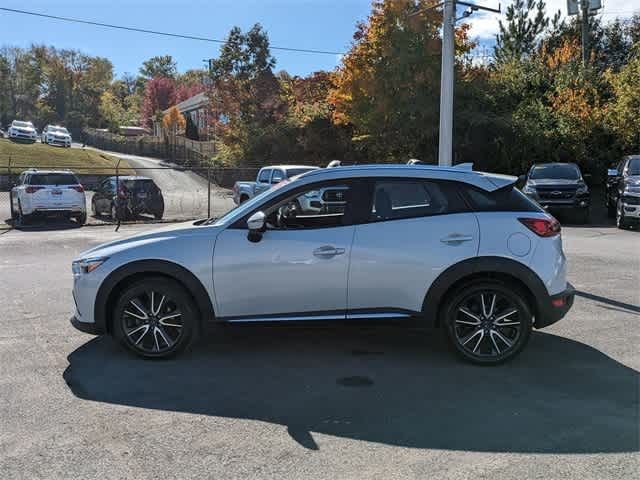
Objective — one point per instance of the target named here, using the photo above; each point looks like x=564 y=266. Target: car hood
x=543 y=182
x=168 y=233
x=25 y=129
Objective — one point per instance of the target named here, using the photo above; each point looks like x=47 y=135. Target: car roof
x=286 y=167
x=130 y=177
x=483 y=180
x=554 y=163
x=34 y=170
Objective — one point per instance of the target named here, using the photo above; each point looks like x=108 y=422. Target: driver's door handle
x=328 y=251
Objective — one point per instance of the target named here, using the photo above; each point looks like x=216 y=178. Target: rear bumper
x=86 y=327
x=554 y=307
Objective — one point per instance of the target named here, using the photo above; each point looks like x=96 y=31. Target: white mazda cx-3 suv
x=451 y=248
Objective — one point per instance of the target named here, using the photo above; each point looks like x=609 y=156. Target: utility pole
x=445 y=144
x=584 y=6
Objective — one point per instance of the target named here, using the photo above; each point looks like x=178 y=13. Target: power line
x=156 y=32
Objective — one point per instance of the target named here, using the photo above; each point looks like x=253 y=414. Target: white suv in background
x=48 y=192
x=444 y=247
x=55 y=135
x=22 y=131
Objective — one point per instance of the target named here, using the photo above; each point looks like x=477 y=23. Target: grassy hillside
x=37 y=155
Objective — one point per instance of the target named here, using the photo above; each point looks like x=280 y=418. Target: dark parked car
x=623 y=191
x=559 y=187
x=132 y=196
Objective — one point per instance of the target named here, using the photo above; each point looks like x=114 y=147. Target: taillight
x=78 y=188
x=543 y=227
x=32 y=189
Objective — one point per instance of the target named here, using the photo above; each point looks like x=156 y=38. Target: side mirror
x=612 y=172
x=256 y=224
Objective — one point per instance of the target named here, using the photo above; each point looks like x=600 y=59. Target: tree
x=159 y=66
x=173 y=121
x=159 y=95
x=525 y=22
x=624 y=111
x=388 y=86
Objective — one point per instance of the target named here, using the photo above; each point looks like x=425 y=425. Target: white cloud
x=484 y=25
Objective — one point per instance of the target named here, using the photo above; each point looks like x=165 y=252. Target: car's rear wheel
x=243 y=198
x=487 y=322
x=155 y=318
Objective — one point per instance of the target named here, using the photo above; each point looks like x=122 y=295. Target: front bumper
x=85 y=327
x=554 y=307
x=631 y=207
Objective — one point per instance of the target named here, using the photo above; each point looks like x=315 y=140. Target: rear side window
x=396 y=199
x=53 y=179
x=140 y=186
x=506 y=199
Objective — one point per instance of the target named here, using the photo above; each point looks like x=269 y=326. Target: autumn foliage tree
x=388 y=86
x=159 y=94
x=173 y=121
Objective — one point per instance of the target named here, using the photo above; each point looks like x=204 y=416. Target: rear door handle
x=328 y=251
x=456 y=238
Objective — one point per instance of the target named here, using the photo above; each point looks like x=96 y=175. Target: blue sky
x=315 y=24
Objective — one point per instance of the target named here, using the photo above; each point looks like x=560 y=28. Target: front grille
x=556 y=193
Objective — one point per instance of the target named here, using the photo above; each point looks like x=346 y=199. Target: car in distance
x=460 y=250
x=559 y=187
x=20 y=131
x=56 y=135
x=267 y=177
x=127 y=196
x=622 y=195
x=47 y=192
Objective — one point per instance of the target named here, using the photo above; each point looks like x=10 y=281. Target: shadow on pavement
x=386 y=385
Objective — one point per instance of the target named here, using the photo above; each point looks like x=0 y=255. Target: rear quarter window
x=507 y=199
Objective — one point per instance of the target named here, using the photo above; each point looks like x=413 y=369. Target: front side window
x=395 y=199
x=277 y=176
x=313 y=207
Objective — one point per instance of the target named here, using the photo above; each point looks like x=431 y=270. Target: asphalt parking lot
x=258 y=402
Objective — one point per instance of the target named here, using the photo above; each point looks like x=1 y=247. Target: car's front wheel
x=155 y=318
x=621 y=221
x=487 y=322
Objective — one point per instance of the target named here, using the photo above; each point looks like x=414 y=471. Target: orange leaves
x=568 y=52
x=173 y=121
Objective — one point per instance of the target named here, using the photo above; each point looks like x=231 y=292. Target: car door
x=415 y=230
x=263 y=181
x=296 y=271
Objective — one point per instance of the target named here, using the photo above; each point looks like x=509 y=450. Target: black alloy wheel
x=487 y=322
x=155 y=318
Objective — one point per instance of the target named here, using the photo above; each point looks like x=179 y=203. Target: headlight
x=86 y=265
x=312 y=194
x=528 y=190
x=582 y=189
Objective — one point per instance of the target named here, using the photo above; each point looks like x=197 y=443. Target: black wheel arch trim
x=151 y=267
x=538 y=298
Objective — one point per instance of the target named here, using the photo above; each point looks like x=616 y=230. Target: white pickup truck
x=267 y=178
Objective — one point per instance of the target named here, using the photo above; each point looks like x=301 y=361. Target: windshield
x=22 y=124
x=555 y=171
x=634 y=167
x=58 y=130
x=240 y=209
x=292 y=172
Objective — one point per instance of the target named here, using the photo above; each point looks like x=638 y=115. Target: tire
x=489 y=334
x=94 y=209
x=583 y=216
x=621 y=222
x=160 y=335
x=81 y=219
x=158 y=215
x=243 y=198
x=14 y=215
x=22 y=219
